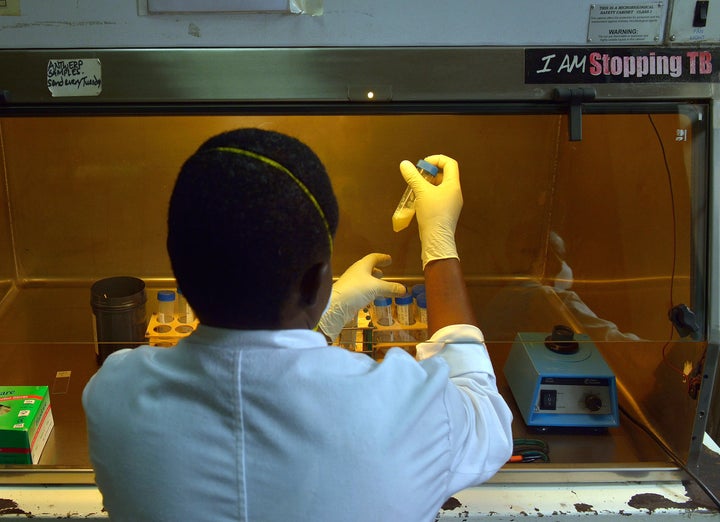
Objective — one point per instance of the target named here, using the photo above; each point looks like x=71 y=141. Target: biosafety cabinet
x=588 y=237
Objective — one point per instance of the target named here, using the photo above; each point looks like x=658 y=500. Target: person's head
x=251 y=222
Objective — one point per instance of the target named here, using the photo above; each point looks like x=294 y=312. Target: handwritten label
x=625 y=23
x=74 y=77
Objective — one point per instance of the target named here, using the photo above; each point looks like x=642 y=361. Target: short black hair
x=250 y=211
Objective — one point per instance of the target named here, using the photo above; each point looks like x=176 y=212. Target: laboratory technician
x=254 y=417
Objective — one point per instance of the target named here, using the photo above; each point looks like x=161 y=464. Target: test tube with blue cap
x=406 y=207
x=416 y=290
x=383 y=316
x=403 y=309
x=421 y=307
x=166 y=306
x=383 y=310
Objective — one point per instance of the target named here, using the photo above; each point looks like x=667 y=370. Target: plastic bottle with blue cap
x=404 y=310
x=166 y=306
x=421 y=335
x=406 y=207
x=383 y=310
x=416 y=290
x=382 y=316
x=421 y=307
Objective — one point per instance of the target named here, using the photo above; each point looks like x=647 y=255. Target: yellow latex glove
x=437 y=207
x=359 y=285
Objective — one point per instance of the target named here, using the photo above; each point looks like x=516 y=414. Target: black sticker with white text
x=620 y=65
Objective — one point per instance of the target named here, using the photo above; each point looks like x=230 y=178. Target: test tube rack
x=167 y=335
x=373 y=339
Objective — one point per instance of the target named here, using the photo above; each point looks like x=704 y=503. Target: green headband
x=281 y=168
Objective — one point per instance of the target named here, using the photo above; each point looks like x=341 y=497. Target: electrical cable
x=691 y=382
x=665 y=360
x=673 y=456
x=529 y=450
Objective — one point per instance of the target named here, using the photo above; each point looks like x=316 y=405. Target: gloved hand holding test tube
x=406 y=207
x=437 y=206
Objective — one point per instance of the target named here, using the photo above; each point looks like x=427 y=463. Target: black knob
x=593 y=402
x=562 y=340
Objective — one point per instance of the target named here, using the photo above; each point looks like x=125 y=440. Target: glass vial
x=403 y=309
x=406 y=207
x=166 y=306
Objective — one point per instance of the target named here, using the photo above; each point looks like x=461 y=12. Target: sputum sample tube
x=421 y=306
x=406 y=207
x=383 y=311
x=404 y=310
x=166 y=306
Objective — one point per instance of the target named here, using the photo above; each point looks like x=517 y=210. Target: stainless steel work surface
x=66 y=365
x=64 y=368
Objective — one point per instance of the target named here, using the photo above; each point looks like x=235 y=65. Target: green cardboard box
x=25 y=423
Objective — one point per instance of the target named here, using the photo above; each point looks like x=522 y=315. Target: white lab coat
x=278 y=426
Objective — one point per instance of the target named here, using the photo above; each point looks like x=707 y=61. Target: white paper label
x=74 y=77
x=625 y=23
